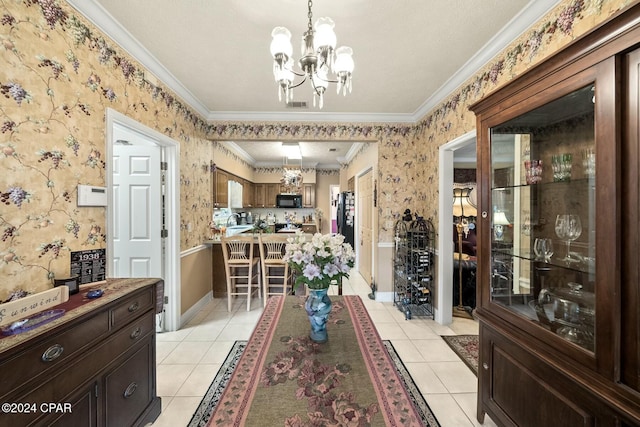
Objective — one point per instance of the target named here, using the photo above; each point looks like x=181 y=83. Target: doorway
x=365 y=209
x=334 y=195
x=447 y=161
x=153 y=256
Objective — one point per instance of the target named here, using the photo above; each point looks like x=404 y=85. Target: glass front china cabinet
x=558 y=249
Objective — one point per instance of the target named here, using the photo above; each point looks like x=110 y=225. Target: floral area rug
x=466 y=347
x=354 y=379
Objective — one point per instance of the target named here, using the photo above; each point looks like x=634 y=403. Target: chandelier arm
x=298 y=74
x=303 y=80
x=324 y=80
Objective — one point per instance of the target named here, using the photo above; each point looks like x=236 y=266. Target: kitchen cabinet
x=248 y=194
x=308 y=195
x=558 y=290
x=260 y=195
x=221 y=189
x=271 y=191
x=98 y=363
x=265 y=194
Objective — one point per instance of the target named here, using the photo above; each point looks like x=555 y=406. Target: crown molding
x=528 y=16
x=297 y=116
x=102 y=19
x=95 y=13
x=235 y=149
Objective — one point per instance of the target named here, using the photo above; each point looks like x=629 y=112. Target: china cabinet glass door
x=543 y=252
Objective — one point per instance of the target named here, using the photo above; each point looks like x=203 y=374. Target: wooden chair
x=241 y=268
x=275 y=272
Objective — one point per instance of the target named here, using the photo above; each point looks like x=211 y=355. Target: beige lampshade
x=461 y=204
x=499 y=218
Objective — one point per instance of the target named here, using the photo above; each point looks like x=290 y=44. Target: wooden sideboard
x=94 y=366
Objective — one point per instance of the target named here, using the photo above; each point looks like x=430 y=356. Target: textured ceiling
x=409 y=54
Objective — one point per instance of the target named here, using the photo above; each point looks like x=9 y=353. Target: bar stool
x=275 y=271
x=241 y=268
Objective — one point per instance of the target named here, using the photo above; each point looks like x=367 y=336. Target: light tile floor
x=189 y=359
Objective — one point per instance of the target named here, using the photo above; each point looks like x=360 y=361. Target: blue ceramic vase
x=318 y=307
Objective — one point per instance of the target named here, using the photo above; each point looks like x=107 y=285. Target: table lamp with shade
x=499 y=222
x=462 y=210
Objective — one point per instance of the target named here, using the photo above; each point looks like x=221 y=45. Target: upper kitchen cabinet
x=271 y=191
x=221 y=189
x=248 y=194
x=558 y=271
x=260 y=195
x=265 y=194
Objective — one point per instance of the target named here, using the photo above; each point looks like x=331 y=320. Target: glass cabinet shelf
x=543 y=224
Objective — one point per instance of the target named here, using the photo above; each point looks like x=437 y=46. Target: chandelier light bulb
x=281 y=43
x=324 y=40
x=343 y=67
x=318 y=56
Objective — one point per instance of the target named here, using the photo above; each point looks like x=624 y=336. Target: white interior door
x=365 y=214
x=137 y=219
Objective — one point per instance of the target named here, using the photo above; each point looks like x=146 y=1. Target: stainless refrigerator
x=346 y=215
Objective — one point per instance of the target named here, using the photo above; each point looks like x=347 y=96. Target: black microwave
x=288 y=201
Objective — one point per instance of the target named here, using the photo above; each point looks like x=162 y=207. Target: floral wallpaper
x=60 y=74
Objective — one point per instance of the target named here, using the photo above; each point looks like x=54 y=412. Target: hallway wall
x=61 y=73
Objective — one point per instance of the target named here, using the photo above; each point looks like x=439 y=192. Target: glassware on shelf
x=561 y=229
x=568 y=227
x=561 y=165
x=589 y=162
x=543 y=248
x=533 y=171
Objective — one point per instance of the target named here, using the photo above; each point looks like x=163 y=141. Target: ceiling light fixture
x=318 y=55
x=292 y=150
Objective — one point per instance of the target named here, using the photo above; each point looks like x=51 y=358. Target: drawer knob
x=133 y=307
x=136 y=333
x=485 y=366
x=52 y=353
x=130 y=390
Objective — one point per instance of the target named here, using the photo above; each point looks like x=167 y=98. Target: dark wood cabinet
x=99 y=366
x=558 y=296
x=83 y=411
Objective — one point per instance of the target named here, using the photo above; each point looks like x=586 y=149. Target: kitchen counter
x=246 y=229
x=218 y=277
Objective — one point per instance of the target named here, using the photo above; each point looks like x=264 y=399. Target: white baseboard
x=384 y=296
x=195 y=308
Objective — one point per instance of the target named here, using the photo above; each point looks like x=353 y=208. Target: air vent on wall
x=297 y=104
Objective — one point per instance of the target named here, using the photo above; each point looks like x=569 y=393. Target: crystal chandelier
x=318 y=56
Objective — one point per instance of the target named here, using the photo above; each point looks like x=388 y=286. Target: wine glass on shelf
x=548 y=250
x=543 y=248
x=574 y=230
x=561 y=230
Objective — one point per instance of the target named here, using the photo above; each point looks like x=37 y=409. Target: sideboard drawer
x=130 y=335
x=131 y=307
x=36 y=362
